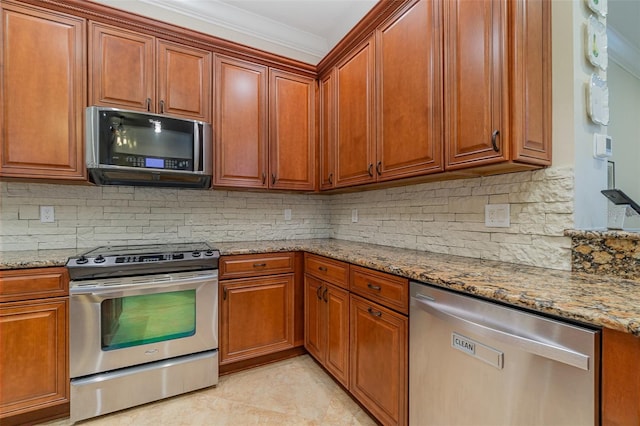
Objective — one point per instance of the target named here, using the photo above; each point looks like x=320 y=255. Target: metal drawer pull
x=330 y=178
x=322 y=268
x=374 y=313
x=370 y=170
x=148 y=101
x=324 y=294
x=259 y=265
x=318 y=293
x=379 y=168
x=273 y=178
x=224 y=293
x=494 y=144
x=264 y=177
x=373 y=287
x=161 y=107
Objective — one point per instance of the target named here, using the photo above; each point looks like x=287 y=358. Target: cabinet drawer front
x=22 y=284
x=329 y=270
x=252 y=265
x=386 y=289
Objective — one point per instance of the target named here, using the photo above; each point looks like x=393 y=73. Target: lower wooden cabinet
x=34 y=362
x=256 y=317
x=620 y=378
x=379 y=363
x=326 y=337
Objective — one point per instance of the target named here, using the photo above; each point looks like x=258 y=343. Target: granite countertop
x=599 y=300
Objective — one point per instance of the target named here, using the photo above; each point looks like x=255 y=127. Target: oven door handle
x=144 y=288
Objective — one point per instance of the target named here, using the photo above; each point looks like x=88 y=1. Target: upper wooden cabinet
x=387 y=103
x=136 y=71
x=264 y=127
x=409 y=93
x=475 y=81
x=354 y=102
x=292 y=131
x=327 y=134
x=240 y=124
x=497 y=82
x=43 y=93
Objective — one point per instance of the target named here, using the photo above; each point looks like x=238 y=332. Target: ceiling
x=305 y=30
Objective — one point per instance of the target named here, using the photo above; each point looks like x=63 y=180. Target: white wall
x=624 y=100
x=572 y=128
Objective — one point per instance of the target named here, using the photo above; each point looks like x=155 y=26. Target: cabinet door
x=356 y=145
x=33 y=356
x=620 y=378
x=292 y=141
x=409 y=93
x=327 y=130
x=240 y=145
x=475 y=83
x=256 y=317
x=531 y=91
x=43 y=86
x=184 y=81
x=121 y=68
x=314 y=318
x=337 y=330
x=379 y=360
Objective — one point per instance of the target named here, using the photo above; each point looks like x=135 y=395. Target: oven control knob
x=99 y=259
x=81 y=260
x=195 y=254
x=208 y=253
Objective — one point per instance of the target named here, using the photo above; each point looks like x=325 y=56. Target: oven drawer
x=253 y=265
x=329 y=270
x=385 y=289
x=24 y=284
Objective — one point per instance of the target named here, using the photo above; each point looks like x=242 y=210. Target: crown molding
x=623 y=52
x=223 y=15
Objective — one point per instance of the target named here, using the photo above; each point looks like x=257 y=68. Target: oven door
x=121 y=322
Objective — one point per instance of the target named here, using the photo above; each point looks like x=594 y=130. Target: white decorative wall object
x=598 y=100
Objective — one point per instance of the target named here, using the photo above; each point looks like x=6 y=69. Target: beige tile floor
x=290 y=392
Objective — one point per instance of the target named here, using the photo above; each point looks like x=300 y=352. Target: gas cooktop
x=115 y=261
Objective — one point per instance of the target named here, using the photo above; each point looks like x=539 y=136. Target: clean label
x=463 y=344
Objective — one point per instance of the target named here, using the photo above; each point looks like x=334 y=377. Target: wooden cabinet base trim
x=53 y=412
x=234 y=367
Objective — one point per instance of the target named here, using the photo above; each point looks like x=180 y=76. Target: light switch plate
x=497 y=215
x=47 y=214
x=287 y=214
x=354 y=215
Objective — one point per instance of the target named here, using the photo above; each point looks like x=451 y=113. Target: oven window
x=138 y=320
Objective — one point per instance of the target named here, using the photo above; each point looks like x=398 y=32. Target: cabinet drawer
x=252 y=265
x=23 y=284
x=329 y=270
x=385 y=289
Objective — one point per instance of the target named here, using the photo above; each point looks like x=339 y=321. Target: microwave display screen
x=157 y=163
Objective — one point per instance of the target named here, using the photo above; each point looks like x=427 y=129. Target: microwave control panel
x=151 y=162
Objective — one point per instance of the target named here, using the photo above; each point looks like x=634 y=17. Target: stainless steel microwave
x=144 y=149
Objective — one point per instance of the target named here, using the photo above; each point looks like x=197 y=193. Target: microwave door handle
x=196 y=148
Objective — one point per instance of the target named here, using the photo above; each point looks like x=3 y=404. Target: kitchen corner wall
x=448 y=217
x=443 y=217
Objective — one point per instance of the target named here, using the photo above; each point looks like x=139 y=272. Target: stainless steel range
x=143 y=325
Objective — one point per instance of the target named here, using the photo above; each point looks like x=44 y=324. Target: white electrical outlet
x=354 y=215
x=47 y=214
x=497 y=215
x=287 y=214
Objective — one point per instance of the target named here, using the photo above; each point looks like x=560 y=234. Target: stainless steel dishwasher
x=473 y=362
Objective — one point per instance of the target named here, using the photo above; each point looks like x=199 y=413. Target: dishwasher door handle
x=451 y=315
